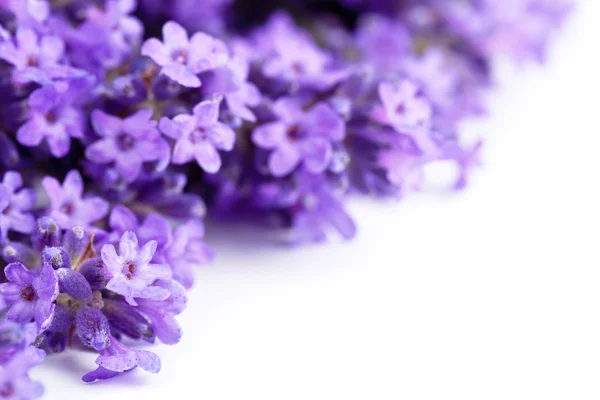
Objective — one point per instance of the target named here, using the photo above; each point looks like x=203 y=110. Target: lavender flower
x=182 y=58
x=52 y=119
x=199 y=136
x=300 y=137
x=14 y=379
x=30 y=297
x=117 y=358
x=16 y=204
x=127 y=143
x=34 y=59
x=130 y=271
x=68 y=207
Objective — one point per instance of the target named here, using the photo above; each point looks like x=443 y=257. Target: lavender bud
x=92 y=328
x=46 y=234
x=74 y=241
x=62 y=319
x=93 y=272
x=17 y=252
x=127 y=320
x=74 y=284
x=57 y=257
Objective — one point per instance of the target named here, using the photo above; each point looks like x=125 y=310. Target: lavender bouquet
x=123 y=124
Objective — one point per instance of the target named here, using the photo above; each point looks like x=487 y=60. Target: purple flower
x=16 y=205
x=199 y=136
x=127 y=143
x=383 y=42
x=35 y=59
x=247 y=94
x=130 y=272
x=15 y=383
x=68 y=207
x=290 y=53
x=185 y=250
x=299 y=137
x=182 y=248
x=51 y=118
x=469 y=159
x=28 y=12
x=404 y=105
x=121 y=30
x=182 y=58
x=30 y=297
x=118 y=358
x=161 y=313
x=232 y=83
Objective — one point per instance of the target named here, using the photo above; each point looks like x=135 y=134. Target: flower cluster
x=123 y=122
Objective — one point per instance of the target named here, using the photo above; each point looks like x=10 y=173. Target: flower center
x=401 y=108
x=32 y=61
x=180 y=56
x=51 y=117
x=128 y=270
x=27 y=293
x=125 y=142
x=68 y=208
x=295 y=133
x=198 y=135
x=7 y=390
x=298 y=68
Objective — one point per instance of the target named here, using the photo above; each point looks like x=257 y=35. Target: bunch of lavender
x=153 y=114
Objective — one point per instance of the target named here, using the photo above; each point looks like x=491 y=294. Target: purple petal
x=269 y=136
x=46 y=284
x=105 y=124
x=284 y=160
x=173 y=128
x=157 y=51
x=21 y=312
x=129 y=166
x=288 y=109
x=94 y=208
x=98 y=374
x=148 y=361
x=73 y=184
x=120 y=362
x=52 y=48
x=183 y=152
x=25 y=199
x=18 y=274
x=11 y=293
x=102 y=151
x=144 y=256
x=12 y=180
x=175 y=36
x=30 y=134
x=59 y=144
x=181 y=74
x=222 y=136
x=323 y=119
x=128 y=246
x=207 y=157
x=122 y=219
x=110 y=258
x=207 y=112
x=20 y=222
x=317 y=154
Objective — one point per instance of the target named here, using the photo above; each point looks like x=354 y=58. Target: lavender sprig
x=123 y=123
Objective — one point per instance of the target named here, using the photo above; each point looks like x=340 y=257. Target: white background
x=492 y=293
